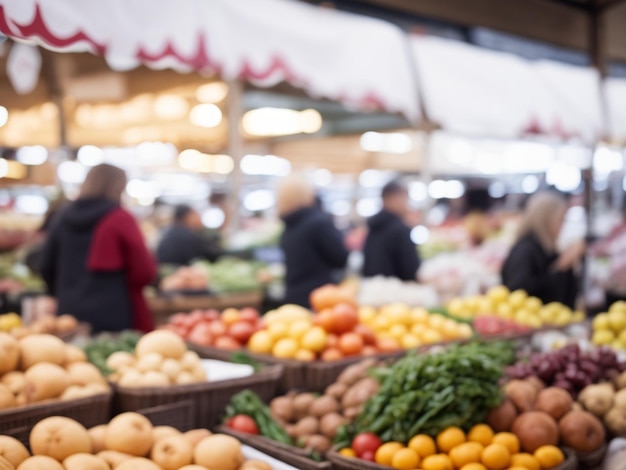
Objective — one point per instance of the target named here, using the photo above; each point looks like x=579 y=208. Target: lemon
x=285 y=348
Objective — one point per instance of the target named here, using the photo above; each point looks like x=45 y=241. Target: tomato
x=332 y=341
x=350 y=344
x=331 y=354
x=201 y=334
x=178 y=319
x=328 y=296
x=226 y=342
x=369 y=351
x=217 y=328
x=369 y=338
x=241 y=331
x=196 y=315
x=211 y=315
x=249 y=314
x=345 y=318
x=366 y=442
x=326 y=320
x=243 y=423
x=387 y=345
x=369 y=456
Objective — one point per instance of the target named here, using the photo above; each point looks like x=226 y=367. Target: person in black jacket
x=312 y=246
x=534 y=264
x=389 y=250
x=183 y=242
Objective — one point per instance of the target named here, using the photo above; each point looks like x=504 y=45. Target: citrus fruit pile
x=609 y=328
x=517 y=305
x=479 y=449
x=400 y=326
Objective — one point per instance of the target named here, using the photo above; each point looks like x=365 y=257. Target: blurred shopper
x=389 y=250
x=95 y=261
x=183 y=242
x=534 y=263
x=313 y=247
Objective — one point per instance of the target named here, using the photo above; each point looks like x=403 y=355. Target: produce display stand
x=289 y=454
x=163 y=306
x=179 y=415
x=350 y=463
x=312 y=376
x=89 y=411
x=209 y=398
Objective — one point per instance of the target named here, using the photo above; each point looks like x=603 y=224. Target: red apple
x=201 y=334
x=249 y=314
x=211 y=315
x=217 y=328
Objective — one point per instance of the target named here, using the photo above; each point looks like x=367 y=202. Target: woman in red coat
x=95 y=261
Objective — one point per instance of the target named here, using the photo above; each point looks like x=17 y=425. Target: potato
x=282 y=408
x=307 y=426
x=330 y=424
x=336 y=390
x=323 y=405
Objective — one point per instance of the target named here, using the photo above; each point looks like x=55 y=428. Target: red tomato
x=332 y=341
x=241 y=331
x=211 y=315
x=217 y=328
x=243 y=423
x=201 y=334
x=226 y=342
x=178 y=319
x=345 y=318
x=350 y=344
x=369 y=456
x=326 y=320
x=387 y=345
x=196 y=315
x=366 y=442
x=331 y=354
x=366 y=333
x=369 y=351
x=249 y=314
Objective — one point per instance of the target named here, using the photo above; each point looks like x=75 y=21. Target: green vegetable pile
x=248 y=403
x=429 y=393
x=233 y=275
x=99 y=350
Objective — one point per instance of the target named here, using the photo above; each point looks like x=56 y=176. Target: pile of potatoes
x=42 y=367
x=128 y=442
x=314 y=420
x=160 y=359
x=48 y=324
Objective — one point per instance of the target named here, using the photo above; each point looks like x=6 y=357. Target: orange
x=496 y=457
x=517 y=468
x=473 y=466
x=549 y=456
x=437 y=462
x=405 y=459
x=347 y=452
x=468 y=452
x=384 y=454
x=480 y=433
x=508 y=440
x=450 y=438
x=525 y=460
x=424 y=445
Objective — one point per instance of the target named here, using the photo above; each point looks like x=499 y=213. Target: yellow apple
x=617 y=321
x=533 y=304
x=601 y=322
x=603 y=337
x=518 y=298
x=498 y=294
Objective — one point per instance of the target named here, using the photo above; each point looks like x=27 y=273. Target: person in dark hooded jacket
x=95 y=261
x=389 y=250
x=312 y=246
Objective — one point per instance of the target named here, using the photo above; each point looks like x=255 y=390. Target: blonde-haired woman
x=312 y=246
x=534 y=264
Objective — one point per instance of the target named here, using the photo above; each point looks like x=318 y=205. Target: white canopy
x=353 y=59
x=477 y=91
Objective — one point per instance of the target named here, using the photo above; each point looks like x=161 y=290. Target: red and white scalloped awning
x=477 y=91
x=356 y=60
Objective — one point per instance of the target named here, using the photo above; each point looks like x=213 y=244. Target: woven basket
x=180 y=415
x=210 y=352
x=209 y=398
x=291 y=455
x=89 y=411
x=347 y=463
x=592 y=460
